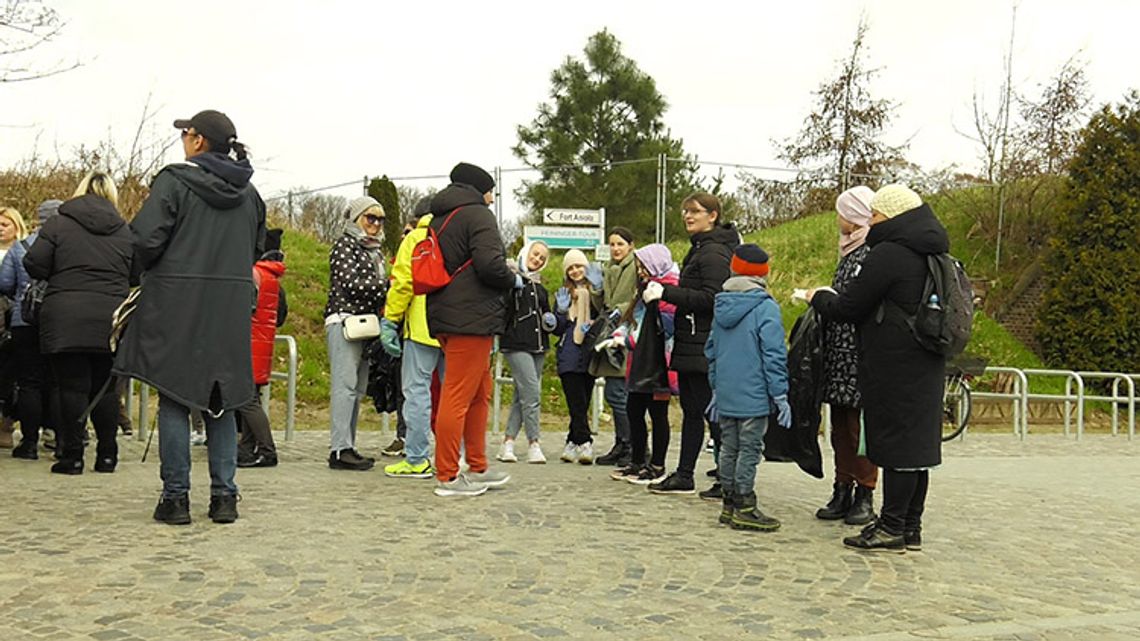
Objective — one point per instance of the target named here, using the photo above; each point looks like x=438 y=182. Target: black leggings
x=637 y=404
x=904 y=500
x=37 y=405
x=695 y=397
x=578 y=387
x=79 y=377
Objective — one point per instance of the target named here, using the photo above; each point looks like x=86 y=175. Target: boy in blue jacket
x=748 y=372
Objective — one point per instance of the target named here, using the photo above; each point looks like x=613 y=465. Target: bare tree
x=1052 y=123
x=25 y=25
x=410 y=195
x=322 y=214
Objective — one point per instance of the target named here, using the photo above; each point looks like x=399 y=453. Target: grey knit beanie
x=359 y=205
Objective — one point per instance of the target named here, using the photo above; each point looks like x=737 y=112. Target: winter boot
x=727 y=507
x=839 y=504
x=618 y=453
x=747 y=516
x=862 y=510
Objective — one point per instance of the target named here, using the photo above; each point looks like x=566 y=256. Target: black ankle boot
x=726 y=509
x=747 y=515
x=839 y=504
x=70 y=462
x=862 y=510
x=618 y=453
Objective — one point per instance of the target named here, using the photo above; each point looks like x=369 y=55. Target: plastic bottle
x=933 y=302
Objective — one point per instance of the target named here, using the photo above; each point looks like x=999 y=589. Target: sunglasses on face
x=373 y=219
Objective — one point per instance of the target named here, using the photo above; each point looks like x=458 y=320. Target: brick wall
x=1019 y=316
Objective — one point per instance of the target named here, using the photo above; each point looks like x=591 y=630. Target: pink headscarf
x=854 y=206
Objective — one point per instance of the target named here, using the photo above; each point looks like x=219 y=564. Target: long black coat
x=703 y=273
x=841 y=349
x=473 y=303
x=85 y=255
x=901 y=383
x=197 y=237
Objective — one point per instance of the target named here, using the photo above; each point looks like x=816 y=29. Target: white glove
x=606 y=344
x=653 y=291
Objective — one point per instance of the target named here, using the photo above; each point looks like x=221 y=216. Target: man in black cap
x=465 y=316
x=197 y=237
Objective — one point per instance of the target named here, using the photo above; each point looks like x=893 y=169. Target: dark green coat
x=196 y=238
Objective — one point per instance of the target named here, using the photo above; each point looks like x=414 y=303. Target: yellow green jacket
x=403 y=305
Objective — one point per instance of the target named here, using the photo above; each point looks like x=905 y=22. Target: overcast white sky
x=329 y=92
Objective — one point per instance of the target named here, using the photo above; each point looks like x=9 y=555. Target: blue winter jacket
x=14 y=278
x=748 y=362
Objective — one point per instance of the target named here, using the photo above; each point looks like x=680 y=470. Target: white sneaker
x=507 y=452
x=459 y=486
x=198 y=438
x=586 y=453
x=489 y=478
x=534 y=453
x=569 y=453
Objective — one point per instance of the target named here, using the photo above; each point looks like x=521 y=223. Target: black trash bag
x=603 y=327
x=383 y=378
x=800 y=444
x=649 y=370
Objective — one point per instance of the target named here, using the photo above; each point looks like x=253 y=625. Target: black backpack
x=33 y=299
x=944 y=320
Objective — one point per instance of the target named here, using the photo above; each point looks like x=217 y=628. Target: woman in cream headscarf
x=855 y=476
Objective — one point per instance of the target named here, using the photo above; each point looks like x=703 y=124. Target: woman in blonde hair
x=85 y=255
x=12 y=230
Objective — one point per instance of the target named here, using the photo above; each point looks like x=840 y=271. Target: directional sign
x=591 y=217
x=584 y=238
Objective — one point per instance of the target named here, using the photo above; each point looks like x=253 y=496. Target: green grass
x=306 y=284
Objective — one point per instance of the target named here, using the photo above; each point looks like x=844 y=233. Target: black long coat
x=85 y=255
x=703 y=273
x=473 y=303
x=197 y=237
x=901 y=383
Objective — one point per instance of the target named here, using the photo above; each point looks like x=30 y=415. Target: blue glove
x=585 y=326
x=784 y=411
x=518 y=282
x=710 y=411
x=562 y=300
x=390 y=338
x=548 y=322
x=594 y=275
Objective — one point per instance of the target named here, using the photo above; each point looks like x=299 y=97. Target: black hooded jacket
x=85 y=255
x=473 y=303
x=197 y=237
x=900 y=381
x=703 y=273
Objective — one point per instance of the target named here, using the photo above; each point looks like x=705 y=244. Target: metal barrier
x=289 y=376
x=1068 y=397
x=1019 y=396
x=1115 y=399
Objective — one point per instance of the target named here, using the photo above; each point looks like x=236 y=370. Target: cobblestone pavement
x=1025 y=541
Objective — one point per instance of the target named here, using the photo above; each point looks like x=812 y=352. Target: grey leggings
x=526 y=369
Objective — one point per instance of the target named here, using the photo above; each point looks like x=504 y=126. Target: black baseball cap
x=214 y=125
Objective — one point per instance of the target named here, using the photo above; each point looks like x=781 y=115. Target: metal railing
x=499 y=379
x=289 y=376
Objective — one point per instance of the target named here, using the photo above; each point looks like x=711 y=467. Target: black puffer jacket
x=901 y=382
x=85 y=255
x=524 y=332
x=473 y=303
x=703 y=273
x=198 y=234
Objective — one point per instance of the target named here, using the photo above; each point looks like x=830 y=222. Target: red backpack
x=429 y=272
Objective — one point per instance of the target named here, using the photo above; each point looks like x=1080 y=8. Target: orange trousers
x=463 y=403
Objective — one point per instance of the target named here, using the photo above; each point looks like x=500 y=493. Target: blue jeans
x=615 y=393
x=526 y=370
x=174 y=449
x=348 y=380
x=417 y=364
x=741 y=445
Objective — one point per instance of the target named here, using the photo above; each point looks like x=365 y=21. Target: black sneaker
x=876 y=538
x=713 y=473
x=26 y=450
x=673 y=484
x=105 y=464
x=173 y=511
x=258 y=460
x=648 y=474
x=714 y=493
x=127 y=431
x=751 y=518
x=913 y=540
x=626 y=473
x=395 y=448
x=223 y=508
x=349 y=460
x=617 y=454
x=67 y=466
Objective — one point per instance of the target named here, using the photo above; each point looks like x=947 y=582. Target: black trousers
x=37 y=405
x=79 y=377
x=637 y=405
x=904 y=500
x=695 y=396
x=578 y=388
x=256 y=436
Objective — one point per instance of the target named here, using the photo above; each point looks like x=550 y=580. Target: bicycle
x=956 y=400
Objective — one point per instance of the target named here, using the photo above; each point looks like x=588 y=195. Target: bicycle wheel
x=956 y=407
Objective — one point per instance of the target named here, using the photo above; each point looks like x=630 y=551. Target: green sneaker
x=405 y=470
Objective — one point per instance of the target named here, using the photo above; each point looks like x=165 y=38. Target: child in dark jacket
x=576 y=303
x=524 y=345
x=647 y=332
x=748 y=373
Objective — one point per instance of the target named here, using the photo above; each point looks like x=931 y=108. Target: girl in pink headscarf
x=855 y=476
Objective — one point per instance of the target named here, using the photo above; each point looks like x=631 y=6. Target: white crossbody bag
x=361 y=327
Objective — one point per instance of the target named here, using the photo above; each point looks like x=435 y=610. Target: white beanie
x=894 y=199
x=359 y=205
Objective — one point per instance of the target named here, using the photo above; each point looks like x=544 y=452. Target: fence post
x=499 y=197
